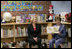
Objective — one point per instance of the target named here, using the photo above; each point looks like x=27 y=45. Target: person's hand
x=52 y=33
x=35 y=39
x=59 y=33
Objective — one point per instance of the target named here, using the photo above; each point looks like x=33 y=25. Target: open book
x=53 y=29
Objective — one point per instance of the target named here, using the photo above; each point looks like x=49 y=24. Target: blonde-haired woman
x=34 y=33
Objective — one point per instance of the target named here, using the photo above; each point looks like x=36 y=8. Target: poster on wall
x=20 y=6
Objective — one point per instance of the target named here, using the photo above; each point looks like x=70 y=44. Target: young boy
x=58 y=38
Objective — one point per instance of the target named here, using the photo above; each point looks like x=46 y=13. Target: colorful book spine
x=1 y=32
x=22 y=32
x=26 y=32
x=9 y=33
x=19 y=29
x=12 y=33
x=17 y=32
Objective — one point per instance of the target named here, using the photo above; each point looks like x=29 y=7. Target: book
x=19 y=32
x=18 y=19
x=15 y=32
x=23 y=31
x=43 y=30
x=22 y=18
x=53 y=29
x=69 y=32
x=5 y=33
x=38 y=18
x=12 y=33
x=1 y=32
x=9 y=33
x=43 y=17
x=1 y=45
x=26 y=32
x=32 y=16
x=26 y=18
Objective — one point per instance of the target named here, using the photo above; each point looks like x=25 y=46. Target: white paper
x=53 y=29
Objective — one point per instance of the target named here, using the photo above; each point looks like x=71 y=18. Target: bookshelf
x=2 y=24
x=49 y=36
x=7 y=37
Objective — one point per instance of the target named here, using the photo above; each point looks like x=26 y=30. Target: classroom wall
x=44 y=3
x=61 y=6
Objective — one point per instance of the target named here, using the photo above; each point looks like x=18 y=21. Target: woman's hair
x=33 y=19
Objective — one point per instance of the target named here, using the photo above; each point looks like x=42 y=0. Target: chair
x=31 y=45
x=64 y=44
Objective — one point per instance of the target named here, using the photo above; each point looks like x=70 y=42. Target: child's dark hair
x=14 y=43
x=5 y=46
x=57 y=18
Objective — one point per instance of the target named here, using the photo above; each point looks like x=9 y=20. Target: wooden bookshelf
x=6 y=37
x=62 y=22
x=14 y=24
x=29 y=23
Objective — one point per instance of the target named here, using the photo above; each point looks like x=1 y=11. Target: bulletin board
x=20 y=6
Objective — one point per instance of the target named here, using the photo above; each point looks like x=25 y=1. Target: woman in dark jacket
x=34 y=33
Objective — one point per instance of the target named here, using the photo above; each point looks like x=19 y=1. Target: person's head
x=34 y=20
x=58 y=20
x=14 y=44
x=5 y=46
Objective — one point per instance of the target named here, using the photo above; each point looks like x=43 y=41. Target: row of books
x=5 y=33
x=19 y=32
x=26 y=18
